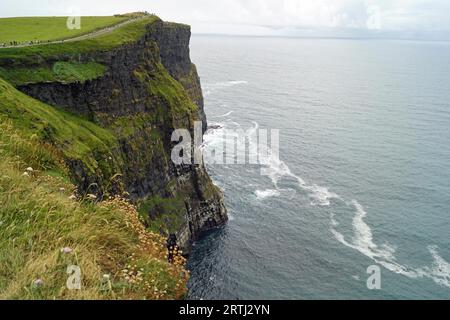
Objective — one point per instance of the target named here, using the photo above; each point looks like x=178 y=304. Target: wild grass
x=76 y=138
x=46 y=227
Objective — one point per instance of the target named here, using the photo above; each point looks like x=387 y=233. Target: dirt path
x=77 y=38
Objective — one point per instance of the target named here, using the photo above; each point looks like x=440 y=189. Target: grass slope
x=50 y=28
x=77 y=138
x=64 y=72
x=118 y=258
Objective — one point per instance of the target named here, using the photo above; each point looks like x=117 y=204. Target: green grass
x=38 y=218
x=50 y=28
x=34 y=55
x=65 y=72
x=78 y=139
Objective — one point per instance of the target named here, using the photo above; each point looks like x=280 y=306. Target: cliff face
x=149 y=88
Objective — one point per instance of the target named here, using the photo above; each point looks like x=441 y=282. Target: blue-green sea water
x=363 y=176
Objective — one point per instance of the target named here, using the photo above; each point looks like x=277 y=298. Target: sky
x=321 y=18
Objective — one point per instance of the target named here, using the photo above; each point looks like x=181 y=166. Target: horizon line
x=317 y=37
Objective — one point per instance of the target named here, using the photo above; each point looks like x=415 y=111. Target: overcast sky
x=403 y=18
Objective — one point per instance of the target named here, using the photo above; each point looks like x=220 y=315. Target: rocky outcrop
x=149 y=89
x=173 y=42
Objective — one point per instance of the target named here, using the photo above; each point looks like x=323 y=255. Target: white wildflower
x=66 y=250
x=38 y=282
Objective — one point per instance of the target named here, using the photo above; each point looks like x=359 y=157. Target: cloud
x=378 y=15
x=264 y=16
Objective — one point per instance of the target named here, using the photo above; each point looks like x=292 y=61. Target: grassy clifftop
x=23 y=65
x=50 y=28
x=32 y=55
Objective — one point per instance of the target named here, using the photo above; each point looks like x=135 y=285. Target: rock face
x=150 y=88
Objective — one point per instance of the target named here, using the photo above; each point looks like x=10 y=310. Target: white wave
x=362 y=241
x=213 y=87
x=268 y=193
x=211 y=137
x=362 y=238
x=439 y=270
x=276 y=169
x=227 y=84
x=384 y=255
x=320 y=195
x=224 y=115
x=272 y=166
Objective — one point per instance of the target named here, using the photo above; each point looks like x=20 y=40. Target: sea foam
x=210 y=88
x=362 y=239
x=268 y=193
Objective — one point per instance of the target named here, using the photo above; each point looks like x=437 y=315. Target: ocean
x=362 y=178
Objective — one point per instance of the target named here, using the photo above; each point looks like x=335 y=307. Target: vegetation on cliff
x=47 y=226
x=74 y=137
x=98 y=132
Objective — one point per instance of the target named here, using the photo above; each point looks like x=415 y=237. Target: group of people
x=24 y=43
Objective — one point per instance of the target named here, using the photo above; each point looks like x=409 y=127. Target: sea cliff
x=146 y=89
